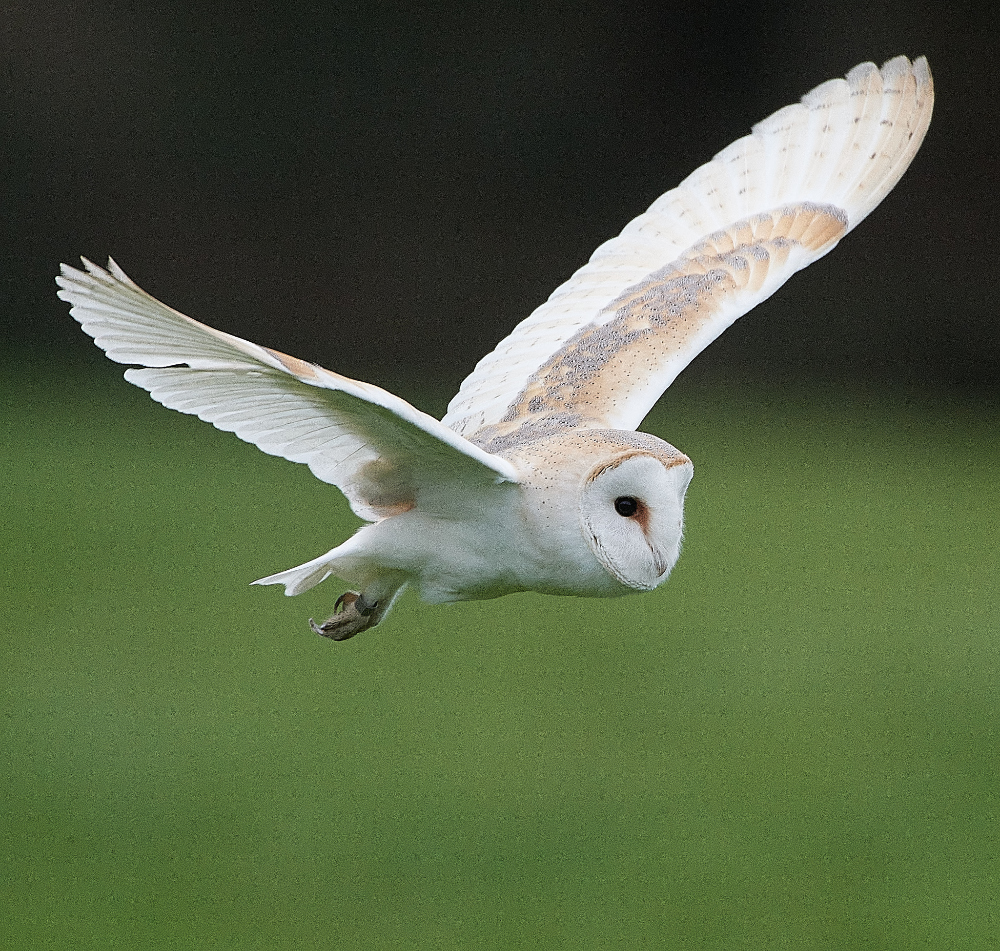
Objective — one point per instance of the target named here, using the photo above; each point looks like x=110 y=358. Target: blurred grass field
x=795 y=743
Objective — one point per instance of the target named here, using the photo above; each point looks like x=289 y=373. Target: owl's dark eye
x=626 y=506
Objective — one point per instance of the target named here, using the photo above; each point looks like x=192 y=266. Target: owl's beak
x=660 y=561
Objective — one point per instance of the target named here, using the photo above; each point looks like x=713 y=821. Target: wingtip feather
x=115 y=271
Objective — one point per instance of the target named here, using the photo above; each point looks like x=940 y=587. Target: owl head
x=632 y=514
x=613 y=501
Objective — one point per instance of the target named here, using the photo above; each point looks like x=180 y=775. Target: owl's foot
x=352 y=614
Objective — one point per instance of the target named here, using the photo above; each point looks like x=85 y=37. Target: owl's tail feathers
x=303 y=577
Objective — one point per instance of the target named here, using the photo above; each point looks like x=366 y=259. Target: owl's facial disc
x=632 y=513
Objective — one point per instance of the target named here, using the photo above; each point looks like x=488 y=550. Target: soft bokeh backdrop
x=794 y=743
x=388 y=191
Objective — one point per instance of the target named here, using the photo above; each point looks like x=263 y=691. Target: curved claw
x=351 y=615
x=345 y=601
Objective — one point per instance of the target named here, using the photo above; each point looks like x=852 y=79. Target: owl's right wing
x=609 y=341
x=376 y=448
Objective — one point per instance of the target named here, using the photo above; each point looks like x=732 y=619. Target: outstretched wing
x=611 y=339
x=378 y=449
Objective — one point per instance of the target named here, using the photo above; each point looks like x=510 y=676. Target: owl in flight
x=535 y=479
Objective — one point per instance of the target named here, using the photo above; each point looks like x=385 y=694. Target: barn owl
x=536 y=479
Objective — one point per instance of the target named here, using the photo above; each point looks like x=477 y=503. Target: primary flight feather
x=535 y=479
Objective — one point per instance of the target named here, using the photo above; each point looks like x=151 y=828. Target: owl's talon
x=351 y=615
x=345 y=601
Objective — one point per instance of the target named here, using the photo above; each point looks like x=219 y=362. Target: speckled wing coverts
x=611 y=339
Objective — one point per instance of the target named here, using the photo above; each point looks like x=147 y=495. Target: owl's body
x=523 y=536
x=535 y=479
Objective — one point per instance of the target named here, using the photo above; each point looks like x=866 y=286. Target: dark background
x=388 y=191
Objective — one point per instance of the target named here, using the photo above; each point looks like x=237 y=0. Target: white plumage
x=534 y=479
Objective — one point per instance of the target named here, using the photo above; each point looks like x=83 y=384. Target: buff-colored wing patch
x=611 y=372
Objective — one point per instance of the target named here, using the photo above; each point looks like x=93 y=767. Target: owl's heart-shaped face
x=632 y=511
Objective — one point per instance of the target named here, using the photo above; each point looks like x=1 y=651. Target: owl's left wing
x=375 y=447
x=611 y=339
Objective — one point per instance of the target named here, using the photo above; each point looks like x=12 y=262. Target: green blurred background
x=793 y=744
